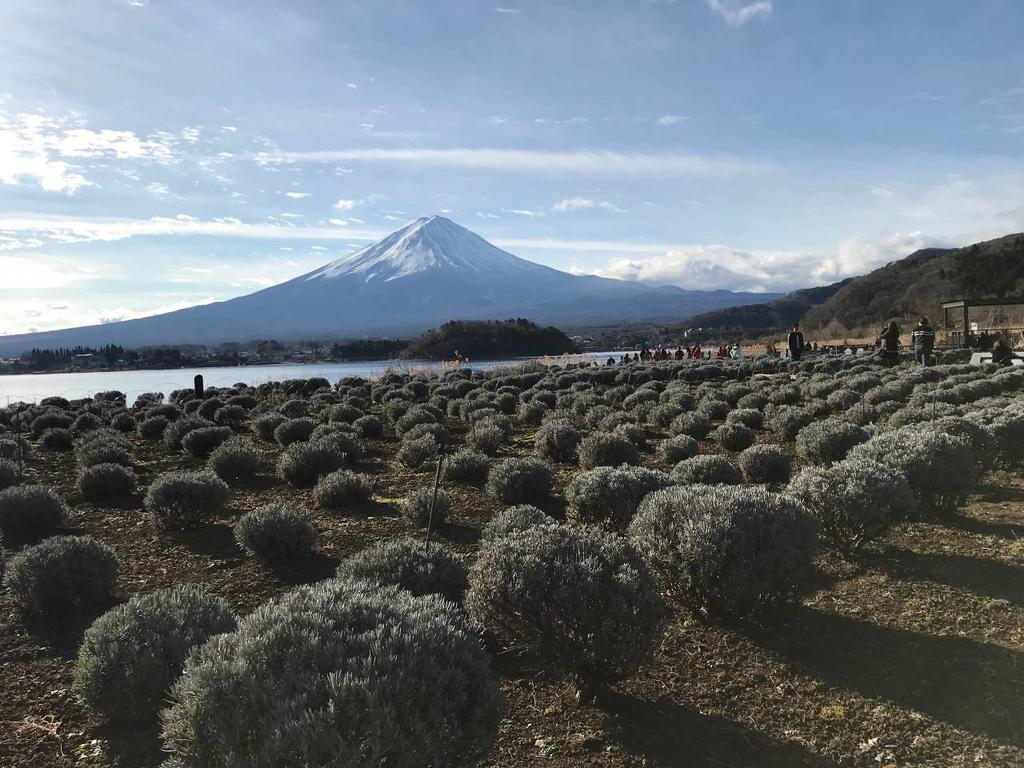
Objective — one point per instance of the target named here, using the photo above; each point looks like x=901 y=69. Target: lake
x=33 y=387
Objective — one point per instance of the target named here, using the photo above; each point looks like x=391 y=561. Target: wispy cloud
x=717 y=266
x=508 y=11
x=667 y=120
x=297 y=195
x=739 y=12
x=345 y=204
x=583 y=204
x=584 y=162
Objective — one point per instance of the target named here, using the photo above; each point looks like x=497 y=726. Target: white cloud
x=666 y=120
x=522 y=212
x=739 y=12
x=36 y=147
x=721 y=266
x=598 y=162
x=297 y=195
x=23 y=273
x=508 y=11
x=582 y=204
x=345 y=205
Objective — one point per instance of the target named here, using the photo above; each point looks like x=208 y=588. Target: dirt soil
x=911 y=656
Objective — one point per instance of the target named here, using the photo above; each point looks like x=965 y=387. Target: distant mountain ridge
x=428 y=272
x=750 y=319
x=917 y=285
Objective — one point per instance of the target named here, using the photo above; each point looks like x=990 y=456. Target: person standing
x=923 y=339
x=890 y=343
x=795 y=342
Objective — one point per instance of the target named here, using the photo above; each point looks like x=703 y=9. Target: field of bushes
x=714 y=563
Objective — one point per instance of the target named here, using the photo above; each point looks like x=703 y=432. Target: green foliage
x=31 y=509
x=131 y=655
x=180 y=500
x=59 y=576
x=104 y=482
x=275 y=532
x=724 y=549
x=411 y=565
x=302 y=464
x=579 y=598
x=338 y=673
x=341 y=488
x=854 y=501
x=609 y=496
x=417 y=506
x=520 y=481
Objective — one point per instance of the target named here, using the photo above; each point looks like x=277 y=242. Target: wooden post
x=198 y=384
x=433 y=499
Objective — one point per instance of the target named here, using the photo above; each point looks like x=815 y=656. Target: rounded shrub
x=104 y=482
x=175 y=431
x=557 y=441
x=57 y=439
x=61 y=575
x=302 y=464
x=519 y=481
x=723 y=549
x=417 y=452
x=180 y=500
x=31 y=509
x=748 y=417
x=10 y=473
x=99 y=448
x=854 y=501
x=602 y=449
x=341 y=672
x=50 y=420
x=202 y=442
x=696 y=425
x=123 y=422
x=341 y=488
x=761 y=464
x=829 y=440
x=132 y=654
x=152 y=427
x=294 y=431
x=514 y=519
x=609 y=496
x=581 y=599
x=236 y=461
x=676 y=449
x=417 y=506
x=707 y=470
x=734 y=437
x=369 y=426
x=275 y=532
x=939 y=468
x=486 y=437
x=267 y=423
x=411 y=565
x=467 y=466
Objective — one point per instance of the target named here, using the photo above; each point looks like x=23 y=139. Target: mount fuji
x=429 y=271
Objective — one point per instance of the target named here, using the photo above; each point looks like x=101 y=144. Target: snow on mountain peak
x=431 y=243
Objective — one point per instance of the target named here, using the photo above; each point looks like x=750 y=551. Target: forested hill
x=752 y=319
x=483 y=339
x=917 y=285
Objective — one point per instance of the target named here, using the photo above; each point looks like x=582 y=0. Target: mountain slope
x=752 y=319
x=429 y=271
x=917 y=285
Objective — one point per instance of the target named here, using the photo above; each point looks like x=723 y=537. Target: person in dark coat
x=1001 y=352
x=890 y=343
x=923 y=339
x=795 y=342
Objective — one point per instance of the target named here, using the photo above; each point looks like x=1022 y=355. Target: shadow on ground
x=662 y=733
x=971 y=685
x=981 y=576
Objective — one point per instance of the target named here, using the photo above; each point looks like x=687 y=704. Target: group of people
x=661 y=352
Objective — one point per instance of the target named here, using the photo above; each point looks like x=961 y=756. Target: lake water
x=31 y=388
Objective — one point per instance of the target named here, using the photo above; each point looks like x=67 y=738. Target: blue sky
x=157 y=154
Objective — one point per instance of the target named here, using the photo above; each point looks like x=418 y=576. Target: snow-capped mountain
x=429 y=271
